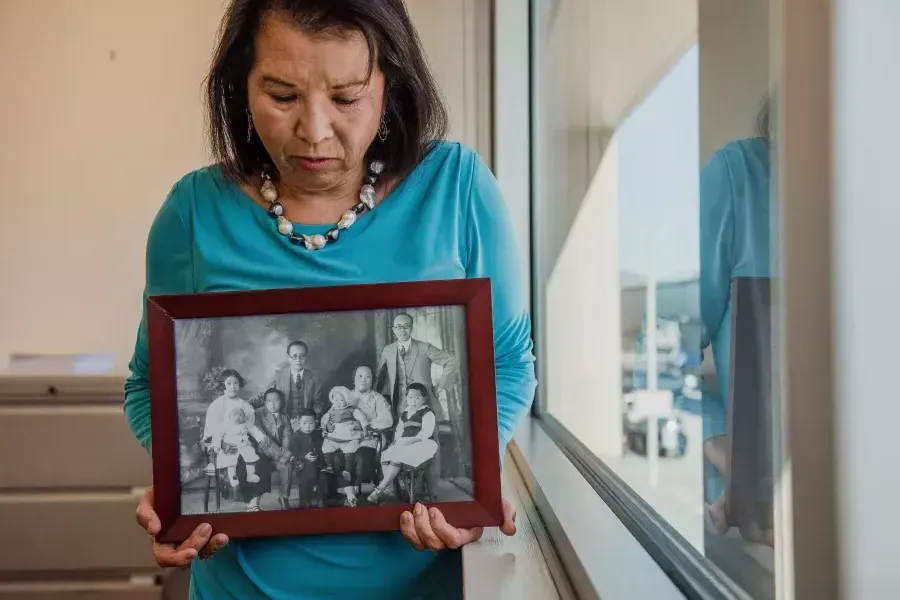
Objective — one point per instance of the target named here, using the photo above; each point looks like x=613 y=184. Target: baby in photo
x=234 y=441
x=343 y=425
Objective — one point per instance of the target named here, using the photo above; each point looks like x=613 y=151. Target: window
x=653 y=244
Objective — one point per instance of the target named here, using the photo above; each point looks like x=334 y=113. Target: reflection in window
x=652 y=252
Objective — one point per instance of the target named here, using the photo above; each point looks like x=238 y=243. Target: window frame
x=805 y=552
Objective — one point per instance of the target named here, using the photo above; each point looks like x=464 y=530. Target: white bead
x=314 y=242
x=347 y=219
x=377 y=167
x=270 y=193
x=284 y=226
x=367 y=199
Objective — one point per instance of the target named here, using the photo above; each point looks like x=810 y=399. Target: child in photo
x=230 y=423
x=413 y=443
x=235 y=441
x=306 y=448
x=277 y=428
x=344 y=426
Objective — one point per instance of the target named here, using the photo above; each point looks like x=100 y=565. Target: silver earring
x=249 y=126
x=383 y=130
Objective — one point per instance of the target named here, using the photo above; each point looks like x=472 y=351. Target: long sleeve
x=492 y=253
x=169 y=270
x=427 y=426
x=361 y=417
x=383 y=418
x=716 y=261
x=716 y=243
x=448 y=363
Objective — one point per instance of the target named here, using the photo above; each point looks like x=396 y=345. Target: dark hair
x=419 y=387
x=230 y=373
x=297 y=343
x=415 y=113
x=306 y=412
x=405 y=314
x=277 y=392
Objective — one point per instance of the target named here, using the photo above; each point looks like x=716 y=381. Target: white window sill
x=599 y=555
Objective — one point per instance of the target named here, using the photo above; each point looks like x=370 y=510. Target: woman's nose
x=314 y=126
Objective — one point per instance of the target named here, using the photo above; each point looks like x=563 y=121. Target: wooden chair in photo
x=413 y=477
x=213 y=480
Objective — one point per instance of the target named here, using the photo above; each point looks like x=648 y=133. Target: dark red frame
x=485 y=510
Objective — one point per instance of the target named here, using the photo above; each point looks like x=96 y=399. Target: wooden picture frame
x=178 y=397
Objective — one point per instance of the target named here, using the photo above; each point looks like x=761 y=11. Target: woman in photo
x=378 y=412
x=230 y=424
x=332 y=168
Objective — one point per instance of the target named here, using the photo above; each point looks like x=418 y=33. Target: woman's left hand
x=426 y=529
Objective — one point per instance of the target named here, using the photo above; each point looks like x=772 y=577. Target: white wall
x=101 y=114
x=866 y=287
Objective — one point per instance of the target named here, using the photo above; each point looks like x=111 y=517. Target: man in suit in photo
x=407 y=360
x=301 y=387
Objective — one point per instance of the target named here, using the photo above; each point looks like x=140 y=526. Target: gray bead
x=296 y=238
x=333 y=234
x=276 y=209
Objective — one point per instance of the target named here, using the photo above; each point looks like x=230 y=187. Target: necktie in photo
x=403 y=352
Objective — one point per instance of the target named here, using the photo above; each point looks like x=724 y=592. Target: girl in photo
x=412 y=442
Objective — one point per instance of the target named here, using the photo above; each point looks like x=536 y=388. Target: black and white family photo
x=311 y=410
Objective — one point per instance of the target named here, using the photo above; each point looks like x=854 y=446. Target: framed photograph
x=323 y=410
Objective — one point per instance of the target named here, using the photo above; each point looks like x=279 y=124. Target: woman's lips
x=314 y=163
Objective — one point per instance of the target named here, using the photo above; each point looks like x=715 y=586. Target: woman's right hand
x=201 y=542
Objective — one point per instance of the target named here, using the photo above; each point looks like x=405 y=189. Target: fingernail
x=404 y=518
x=433 y=513
x=419 y=509
x=205 y=529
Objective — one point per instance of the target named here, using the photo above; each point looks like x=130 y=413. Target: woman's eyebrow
x=350 y=84
x=276 y=81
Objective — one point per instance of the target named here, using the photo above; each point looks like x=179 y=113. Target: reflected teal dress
x=734 y=242
x=446 y=220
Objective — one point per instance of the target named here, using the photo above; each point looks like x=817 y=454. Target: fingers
x=214 y=545
x=452 y=537
x=145 y=515
x=423 y=528
x=408 y=529
x=509 y=518
x=168 y=556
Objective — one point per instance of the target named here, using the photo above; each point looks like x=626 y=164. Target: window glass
x=651 y=238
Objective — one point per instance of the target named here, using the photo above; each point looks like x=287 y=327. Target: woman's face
x=363 y=379
x=232 y=386
x=311 y=106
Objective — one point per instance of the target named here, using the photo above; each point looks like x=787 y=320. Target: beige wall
x=100 y=115
x=734 y=69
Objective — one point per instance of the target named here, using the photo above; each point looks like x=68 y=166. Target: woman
x=378 y=412
x=323 y=112
x=227 y=455
x=734 y=242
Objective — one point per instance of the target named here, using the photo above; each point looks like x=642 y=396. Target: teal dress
x=734 y=242
x=446 y=220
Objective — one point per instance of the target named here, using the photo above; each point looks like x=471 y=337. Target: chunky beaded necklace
x=318 y=241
